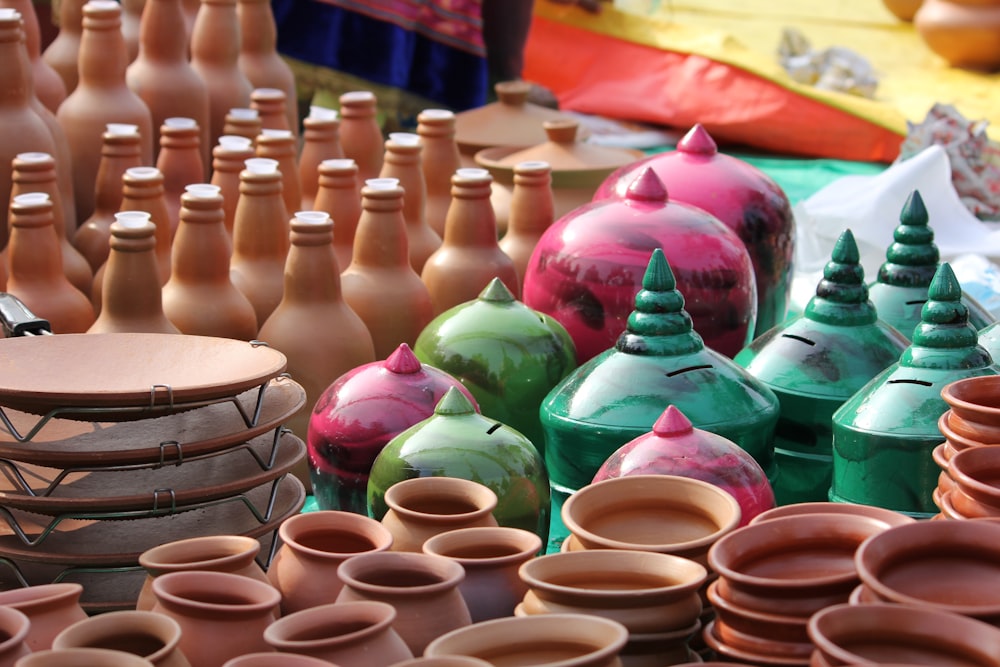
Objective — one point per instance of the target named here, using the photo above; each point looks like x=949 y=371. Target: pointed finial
x=912 y=258
x=454 y=402
x=842 y=296
x=699 y=141
x=402 y=361
x=944 y=325
x=496 y=292
x=672 y=422
x=647 y=187
x=659 y=324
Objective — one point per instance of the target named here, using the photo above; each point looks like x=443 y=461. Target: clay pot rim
x=449 y=572
x=451 y=488
x=873 y=615
x=734 y=548
x=294 y=526
x=83 y=657
x=690 y=574
x=762 y=645
x=967 y=483
x=607 y=486
x=492 y=158
x=267 y=597
x=440 y=661
x=909 y=542
x=938 y=454
x=580 y=627
x=113 y=623
x=717 y=645
x=948 y=511
x=890 y=517
x=380 y=616
x=952 y=438
x=857 y=596
x=959 y=396
x=10 y=618
x=267 y=659
x=524 y=541
x=720 y=601
x=157 y=559
x=31 y=597
x=658 y=637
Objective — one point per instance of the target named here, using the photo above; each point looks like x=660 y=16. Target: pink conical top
x=672 y=423
x=647 y=187
x=698 y=141
x=403 y=361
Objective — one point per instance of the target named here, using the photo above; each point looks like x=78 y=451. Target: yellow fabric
x=746 y=34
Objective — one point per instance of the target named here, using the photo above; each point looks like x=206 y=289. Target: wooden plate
x=102 y=541
x=219 y=475
x=128 y=375
x=63 y=443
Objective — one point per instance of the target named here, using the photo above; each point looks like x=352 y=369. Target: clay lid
x=510 y=121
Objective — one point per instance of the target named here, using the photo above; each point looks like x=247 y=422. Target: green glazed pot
x=507 y=355
x=457 y=441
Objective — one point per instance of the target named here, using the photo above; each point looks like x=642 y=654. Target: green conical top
x=659 y=325
x=945 y=338
x=842 y=296
x=913 y=258
x=454 y=403
x=496 y=292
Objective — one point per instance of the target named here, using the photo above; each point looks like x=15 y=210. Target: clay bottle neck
x=321 y=131
x=201 y=246
x=257 y=29
x=270 y=104
x=28 y=174
x=118 y=153
x=34 y=245
x=276 y=147
x=380 y=240
x=32 y=34
x=243 y=126
x=71 y=17
x=531 y=202
x=471 y=220
x=311 y=262
x=133 y=239
x=16 y=84
x=103 y=54
x=230 y=161
x=163 y=32
x=215 y=38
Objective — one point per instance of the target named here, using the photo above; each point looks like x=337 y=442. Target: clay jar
x=661 y=513
x=83 y=657
x=566 y=640
x=974 y=408
x=347 y=634
x=422 y=588
x=976 y=473
x=236 y=554
x=222 y=615
x=14 y=626
x=491 y=557
x=948 y=565
x=883 y=634
x=314 y=545
x=963 y=32
x=152 y=636
x=645 y=592
x=422 y=507
x=50 y=609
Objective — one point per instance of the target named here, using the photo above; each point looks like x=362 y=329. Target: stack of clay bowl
x=774 y=574
x=654 y=595
x=115 y=443
x=951 y=566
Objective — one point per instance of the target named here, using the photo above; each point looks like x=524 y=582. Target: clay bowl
x=889 y=517
x=941 y=456
x=948 y=565
x=948 y=511
x=778 y=628
x=954 y=441
x=892 y=633
x=661 y=513
x=794 y=565
x=659 y=648
x=646 y=592
x=863 y=595
x=732 y=653
x=975 y=407
x=976 y=476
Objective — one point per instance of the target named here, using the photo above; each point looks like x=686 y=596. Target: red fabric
x=597 y=74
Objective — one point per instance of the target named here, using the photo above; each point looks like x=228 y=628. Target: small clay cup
x=953 y=566
x=893 y=633
x=889 y=517
x=661 y=513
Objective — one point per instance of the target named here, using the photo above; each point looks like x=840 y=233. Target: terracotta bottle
x=64 y=51
x=120 y=150
x=131 y=19
x=49 y=86
x=260 y=237
x=402 y=162
x=190 y=8
x=271 y=108
x=36 y=172
x=321 y=141
x=312 y=304
x=101 y=97
x=161 y=74
x=142 y=190
x=64 y=166
x=440 y=159
x=243 y=122
x=531 y=212
x=200 y=298
x=130 y=297
x=360 y=134
x=179 y=161
x=339 y=195
x=36 y=273
x=23 y=129
x=228 y=160
x=469 y=258
x=280 y=145
x=215 y=51
x=379 y=284
x=259 y=59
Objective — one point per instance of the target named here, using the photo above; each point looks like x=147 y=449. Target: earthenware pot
x=726 y=652
x=963 y=33
x=155 y=637
x=50 y=608
x=443 y=661
x=423 y=507
x=14 y=625
x=888 y=517
x=787 y=632
x=976 y=492
x=82 y=657
x=974 y=407
x=267 y=659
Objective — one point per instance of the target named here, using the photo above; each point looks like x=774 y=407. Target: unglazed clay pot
x=443 y=661
x=423 y=507
x=236 y=554
x=646 y=592
x=490 y=556
x=974 y=408
x=50 y=609
x=963 y=33
x=83 y=657
x=314 y=545
x=14 y=625
x=421 y=587
x=975 y=472
x=889 y=517
x=843 y=635
x=268 y=659
x=662 y=513
x=155 y=637
x=349 y=634
x=741 y=627
x=566 y=640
